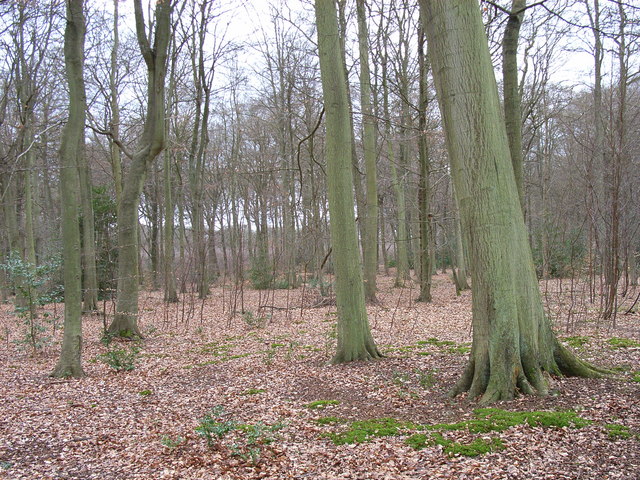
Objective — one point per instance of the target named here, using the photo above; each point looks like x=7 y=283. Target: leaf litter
x=200 y=356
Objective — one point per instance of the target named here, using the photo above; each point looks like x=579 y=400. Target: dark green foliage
x=213 y=427
x=261 y=273
x=566 y=253
x=104 y=213
x=33 y=289
x=145 y=393
x=248 y=439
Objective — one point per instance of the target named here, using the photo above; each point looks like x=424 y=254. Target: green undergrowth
x=615 y=431
x=253 y=391
x=617 y=342
x=578 y=341
x=446 y=346
x=245 y=440
x=485 y=420
x=321 y=404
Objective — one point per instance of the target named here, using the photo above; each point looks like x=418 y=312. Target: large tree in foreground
x=152 y=143
x=514 y=346
x=354 y=336
x=71 y=149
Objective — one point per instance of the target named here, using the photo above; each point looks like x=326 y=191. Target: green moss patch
x=615 y=431
x=253 y=391
x=364 y=430
x=617 y=342
x=478 y=446
x=577 y=341
x=321 y=404
x=497 y=420
x=329 y=421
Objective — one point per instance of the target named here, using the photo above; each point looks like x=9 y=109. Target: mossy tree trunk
x=424 y=189
x=72 y=147
x=125 y=322
x=511 y=92
x=513 y=343
x=354 y=336
x=370 y=224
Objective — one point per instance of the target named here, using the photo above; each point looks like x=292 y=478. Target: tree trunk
x=370 y=223
x=125 y=322
x=513 y=343
x=511 y=92
x=424 y=189
x=354 y=337
x=69 y=363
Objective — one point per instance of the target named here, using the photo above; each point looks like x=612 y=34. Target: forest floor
x=259 y=385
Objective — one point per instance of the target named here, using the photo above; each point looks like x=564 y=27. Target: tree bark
x=370 y=223
x=513 y=343
x=125 y=322
x=511 y=92
x=424 y=189
x=69 y=363
x=354 y=336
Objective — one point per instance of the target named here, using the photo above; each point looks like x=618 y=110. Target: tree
x=71 y=149
x=370 y=228
x=354 y=336
x=125 y=322
x=513 y=343
x=511 y=92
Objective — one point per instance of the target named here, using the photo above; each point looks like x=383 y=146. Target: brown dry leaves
x=197 y=355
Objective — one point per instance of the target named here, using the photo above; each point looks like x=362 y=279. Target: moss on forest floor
x=485 y=420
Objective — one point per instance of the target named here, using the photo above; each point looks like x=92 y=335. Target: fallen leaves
x=141 y=424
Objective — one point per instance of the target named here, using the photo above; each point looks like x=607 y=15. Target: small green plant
x=145 y=393
x=636 y=377
x=171 y=442
x=29 y=282
x=255 y=438
x=321 y=404
x=617 y=342
x=426 y=378
x=6 y=465
x=615 y=431
x=577 y=341
x=253 y=391
x=253 y=321
x=121 y=359
x=213 y=427
x=261 y=273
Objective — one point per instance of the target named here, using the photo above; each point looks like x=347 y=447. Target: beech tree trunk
x=370 y=224
x=125 y=322
x=69 y=363
x=354 y=336
x=511 y=92
x=513 y=343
